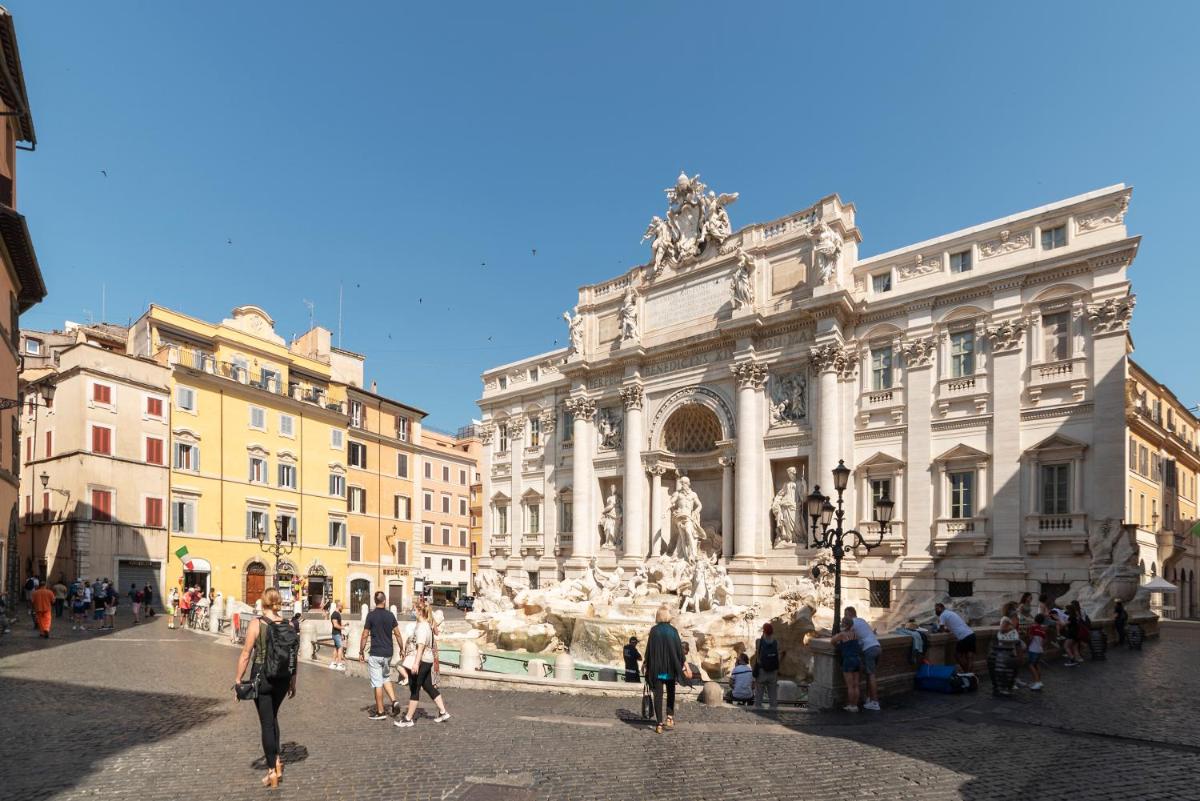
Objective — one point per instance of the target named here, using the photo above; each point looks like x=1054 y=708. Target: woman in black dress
x=664 y=667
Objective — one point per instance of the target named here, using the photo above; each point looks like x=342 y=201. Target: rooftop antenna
x=88 y=313
x=311 y=306
x=103 y=302
x=339 y=314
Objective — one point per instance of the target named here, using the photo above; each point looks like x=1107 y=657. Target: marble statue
x=685 y=509
x=723 y=587
x=636 y=586
x=695 y=590
x=696 y=218
x=743 y=282
x=574 y=332
x=662 y=244
x=783 y=508
x=789 y=399
x=826 y=249
x=610 y=520
x=608 y=426
x=629 y=316
x=717 y=227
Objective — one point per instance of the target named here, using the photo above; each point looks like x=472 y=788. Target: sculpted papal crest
x=695 y=219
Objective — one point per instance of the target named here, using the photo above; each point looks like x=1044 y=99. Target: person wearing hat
x=632 y=658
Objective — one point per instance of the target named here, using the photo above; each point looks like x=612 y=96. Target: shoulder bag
x=248 y=690
x=647 y=701
x=435 y=673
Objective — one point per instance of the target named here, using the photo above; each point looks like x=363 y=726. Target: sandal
x=658 y=729
x=271 y=780
x=670 y=722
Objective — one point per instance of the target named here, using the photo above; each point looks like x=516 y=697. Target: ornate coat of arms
x=696 y=217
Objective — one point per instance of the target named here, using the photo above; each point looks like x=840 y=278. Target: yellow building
x=1163 y=460
x=258 y=445
x=383 y=463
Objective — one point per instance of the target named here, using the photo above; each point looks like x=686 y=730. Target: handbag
x=409 y=662
x=647 y=701
x=248 y=690
x=435 y=673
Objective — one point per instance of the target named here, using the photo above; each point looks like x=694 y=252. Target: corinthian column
x=583 y=539
x=829 y=360
x=750 y=376
x=727 y=463
x=634 y=503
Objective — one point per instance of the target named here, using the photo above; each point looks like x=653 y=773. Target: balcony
x=886 y=403
x=1069 y=373
x=1042 y=529
x=265 y=380
x=968 y=390
x=563 y=543
x=892 y=544
x=966 y=531
x=533 y=544
x=500 y=545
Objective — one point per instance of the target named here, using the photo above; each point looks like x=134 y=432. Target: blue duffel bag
x=939 y=679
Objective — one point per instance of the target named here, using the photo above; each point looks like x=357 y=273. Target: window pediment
x=257 y=450
x=186 y=435
x=963 y=453
x=500 y=498
x=880 y=463
x=1056 y=445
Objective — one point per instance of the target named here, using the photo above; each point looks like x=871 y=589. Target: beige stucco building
x=448 y=466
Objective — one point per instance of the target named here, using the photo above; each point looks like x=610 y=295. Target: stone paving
x=147 y=713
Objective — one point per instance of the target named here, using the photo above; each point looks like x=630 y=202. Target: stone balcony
x=967 y=531
x=563 y=543
x=500 y=545
x=1068 y=374
x=533 y=544
x=882 y=405
x=968 y=390
x=892 y=544
x=1042 y=529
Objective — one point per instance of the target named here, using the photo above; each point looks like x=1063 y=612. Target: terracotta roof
x=12 y=78
x=15 y=233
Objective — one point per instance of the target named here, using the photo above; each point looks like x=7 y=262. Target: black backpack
x=280 y=645
x=768 y=655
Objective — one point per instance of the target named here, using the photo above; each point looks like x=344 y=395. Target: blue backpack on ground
x=944 y=679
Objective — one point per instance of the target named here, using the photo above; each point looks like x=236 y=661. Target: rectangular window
x=462 y=538
x=962 y=501
x=1143 y=460
x=155 y=451
x=568 y=426
x=880 y=488
x=502 y=435
x=287 y=425
x=337 y=439
x=1055 y=237
x=1056 y=489
x=154 y=407
x=46 y=507
x=337 y=533
x=961 y=589
x=462 y=566
x=258 y=470
x=33 y=347
x=287 y=475
x=102 y=393
x=258 y=520
x=535 y=432
x=473 y=549
x=28 y=447
x=185 y=399
x=447 y=565
x=50 y=444
x=101 y=505
x=462 y=507
x=402 y=553
x=881 y=594
x=258 y=418
x=1155 y=467
x=337 y=485
x=402 y=428
x=429 y=502
x=355 y=548
x=445 y=504
x=881 y=283
x=962 y=354
x=356 y=414
x=101 y=439
x=428 y=563
x=446 y=474
x=535 y=519
x=429 y=470
x=358 y=500
x=533 y=374
x=403 y=507
x=462 y=477
x=502 y=520
x=445 y=535
x=566 y=517
x=429 y=535
x=358 y=454
x=881 y=368
x=153 y=516
x=960 y=262
x=1133 y=454
x=183 y=517
x=289 y=527
x=1056 y=336
x=503 y=382
x=402 y=465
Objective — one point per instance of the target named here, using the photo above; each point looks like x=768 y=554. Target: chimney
x=374 y=387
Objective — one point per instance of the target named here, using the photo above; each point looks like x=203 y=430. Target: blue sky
x=269 y=152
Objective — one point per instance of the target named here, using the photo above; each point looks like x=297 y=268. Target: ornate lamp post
x=820 y=510
x=280 y=547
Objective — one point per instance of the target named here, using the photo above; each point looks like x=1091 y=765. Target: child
x=1037 y=644
x=851 y=656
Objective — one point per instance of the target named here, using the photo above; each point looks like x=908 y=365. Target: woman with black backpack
x=270 y=651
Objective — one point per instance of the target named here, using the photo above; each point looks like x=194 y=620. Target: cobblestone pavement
x=147 y=713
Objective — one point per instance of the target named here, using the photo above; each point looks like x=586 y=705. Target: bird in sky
x=104 y=173
x=535 y=251
x=489 y=339
x=228 y=241
x=483 y=264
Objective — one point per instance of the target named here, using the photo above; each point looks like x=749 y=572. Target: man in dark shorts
x=964 y=649
x=339 y=647
x=380 y=628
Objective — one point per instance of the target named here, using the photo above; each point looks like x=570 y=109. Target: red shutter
x=49 y=443
x=101 y=393
x=101 y=505
x=154 y=407
x=45 y=506
x=154 y=451
x=154 y=512
x=101 y=440
x=29 y=449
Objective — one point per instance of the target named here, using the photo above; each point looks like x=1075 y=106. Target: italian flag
x=182 y=553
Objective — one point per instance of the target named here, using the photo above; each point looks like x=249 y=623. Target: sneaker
x=403 y=723
x=1037 y=685
x=849 y=708
x=333 y=666
x=377 y=715
x=872 y=706
x=396 y=709
x=342 y=667
x=442 y=718
x=1070 y=663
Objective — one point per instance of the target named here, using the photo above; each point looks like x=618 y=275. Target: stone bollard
x=789 y=692
x=351 y=631
x=564 y=667
x=214 y=614
x=536 y=668
x=364 y=612
x=469 y=657
x=306 y=642
x=711 y=694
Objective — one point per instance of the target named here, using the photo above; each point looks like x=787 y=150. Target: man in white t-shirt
x=855 y=628
x=964 y=649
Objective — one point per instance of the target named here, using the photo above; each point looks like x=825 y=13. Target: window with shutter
x=445 y=535
x=402 y=465
x=429 y=535
x=154 y=512
x=355 y=548
x=154 y=407
x=101 y=440
x=402 y=553
x=154 y=450
x=102 y=393
x=101 y=505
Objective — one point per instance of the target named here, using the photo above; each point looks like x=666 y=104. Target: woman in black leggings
x=270 y=698
x=422 y=642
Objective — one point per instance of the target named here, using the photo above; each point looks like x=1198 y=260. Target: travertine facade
x=977 y=379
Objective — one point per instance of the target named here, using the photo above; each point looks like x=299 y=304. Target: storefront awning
x=194 y=564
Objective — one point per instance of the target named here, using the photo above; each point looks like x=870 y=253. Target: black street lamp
x=280 y=547
x=820 y=510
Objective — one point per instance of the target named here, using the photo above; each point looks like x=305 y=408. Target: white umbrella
x=1159 y=584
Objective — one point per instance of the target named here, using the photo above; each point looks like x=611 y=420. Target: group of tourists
x=98 y=599
x=184 y=607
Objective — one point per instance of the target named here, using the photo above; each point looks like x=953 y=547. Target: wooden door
x=256 y=581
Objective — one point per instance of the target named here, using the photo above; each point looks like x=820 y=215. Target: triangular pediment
x=531 y=493
x=1058 y=442
x=880 y=460
x=961 y=451
x=500 y=497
